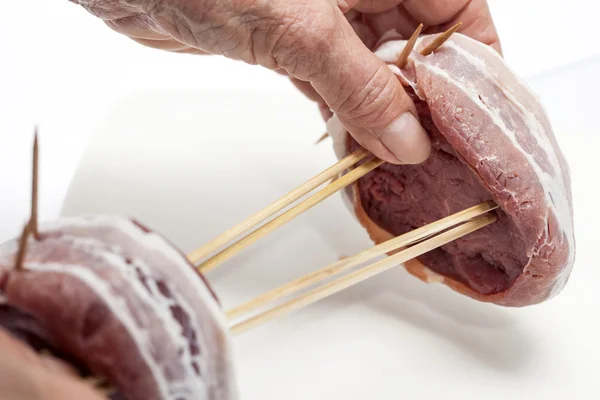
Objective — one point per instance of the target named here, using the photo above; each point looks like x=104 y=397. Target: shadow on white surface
x=485 y=334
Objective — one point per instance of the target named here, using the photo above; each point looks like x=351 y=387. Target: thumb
x=25 y=375
x=370 y=101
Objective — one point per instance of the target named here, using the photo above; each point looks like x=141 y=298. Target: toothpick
x=403 y=57
x=323 y=137
x=367 y=272
x=34 y=188
x=22 y=247
x=277 y=206
x=292 y=213
x=347 y=263
x=438 y=41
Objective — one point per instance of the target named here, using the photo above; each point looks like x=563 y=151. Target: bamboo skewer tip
x=322 y=138
x=31 y=227
x=20 y=259
x=408 y=48
x=440 y=40
x=34 y=187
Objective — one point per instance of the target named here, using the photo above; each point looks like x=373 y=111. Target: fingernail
x=407 y=139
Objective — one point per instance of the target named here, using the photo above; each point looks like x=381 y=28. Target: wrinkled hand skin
x=371 y=19
x=25 y=375
x=323 y=45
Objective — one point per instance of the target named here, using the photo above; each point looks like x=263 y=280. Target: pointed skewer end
x=403 y=57
x=34 y=187
x=22 y=247
x=440 y=40
x=323 y=137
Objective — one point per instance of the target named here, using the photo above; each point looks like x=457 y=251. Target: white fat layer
x=191 y=385
x=389 y=51
x=119 y=308
x=431 y=276
x=553 y=182
x=153 y=242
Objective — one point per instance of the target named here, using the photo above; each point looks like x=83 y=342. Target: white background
x=186 y=130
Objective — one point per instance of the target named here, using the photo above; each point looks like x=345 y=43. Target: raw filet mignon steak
x=119 y=302
x=491 y=140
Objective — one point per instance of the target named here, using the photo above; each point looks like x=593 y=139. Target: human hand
x=25 y=375
x=310 y=40
x=371 y=19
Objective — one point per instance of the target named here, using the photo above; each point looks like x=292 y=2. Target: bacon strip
x=127 y=304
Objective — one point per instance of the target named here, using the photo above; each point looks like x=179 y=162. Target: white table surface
x=180 y=142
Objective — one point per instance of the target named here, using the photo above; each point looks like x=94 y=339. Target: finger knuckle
x=368 y=103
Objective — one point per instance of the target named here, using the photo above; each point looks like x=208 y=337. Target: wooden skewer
x=345 y=264
x=367 y=272
x=323 y=137
x=277 y=206
x=333 y=187
x=34 y=188
x=22 y=247
x=292 y=213
x=31 y=228
x=438 y=41
x=403 y=57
